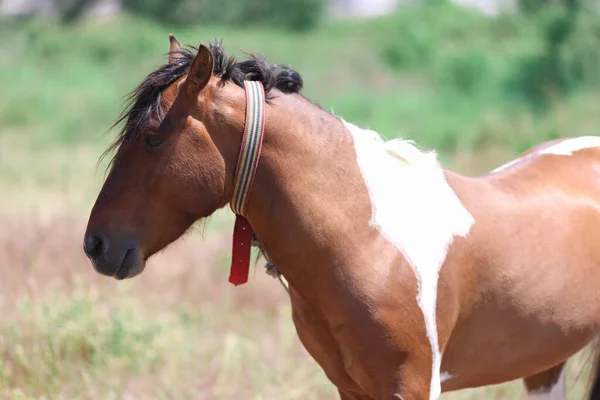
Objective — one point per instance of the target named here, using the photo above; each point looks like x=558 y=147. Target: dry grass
x=178 y=331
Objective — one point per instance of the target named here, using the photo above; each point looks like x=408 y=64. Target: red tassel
x=240 y=254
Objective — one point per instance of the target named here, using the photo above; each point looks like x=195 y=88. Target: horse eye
x=151 y=142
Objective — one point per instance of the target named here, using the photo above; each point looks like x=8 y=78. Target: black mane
x=144 y=100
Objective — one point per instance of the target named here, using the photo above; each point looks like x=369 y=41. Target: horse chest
x=335 y=357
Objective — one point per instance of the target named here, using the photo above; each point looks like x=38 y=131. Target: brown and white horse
x=405 y=279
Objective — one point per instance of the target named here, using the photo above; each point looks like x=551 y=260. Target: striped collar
x=251 y=146
x=244 y=178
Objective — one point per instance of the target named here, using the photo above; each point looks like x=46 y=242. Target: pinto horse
x=406 y=280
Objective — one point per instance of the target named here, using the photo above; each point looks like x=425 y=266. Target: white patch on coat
x=445 y=376
x=416 y=210
x=565 y=148
x=570 y=146
x=558 y=391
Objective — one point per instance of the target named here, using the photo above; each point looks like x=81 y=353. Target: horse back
x=529 y=272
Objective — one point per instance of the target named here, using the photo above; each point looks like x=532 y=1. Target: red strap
x=240 y=254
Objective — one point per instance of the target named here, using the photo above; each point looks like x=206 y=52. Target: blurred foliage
x=448 y=77
x=71 y=10
x=570 y=55
x=531 y=58
x=294 y=14
x=535 y=6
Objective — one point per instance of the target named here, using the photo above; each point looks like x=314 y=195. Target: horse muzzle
x=111 y=255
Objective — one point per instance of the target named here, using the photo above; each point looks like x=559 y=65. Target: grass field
x=180 y=330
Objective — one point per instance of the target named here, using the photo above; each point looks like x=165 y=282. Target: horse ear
x=200 y=71
x=175 y=46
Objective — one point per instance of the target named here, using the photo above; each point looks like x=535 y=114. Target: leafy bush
x=293 y=14
x=567 y=60
x=531 y=58
x=414 y=35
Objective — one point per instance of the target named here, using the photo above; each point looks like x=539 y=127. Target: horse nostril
x=95 y=246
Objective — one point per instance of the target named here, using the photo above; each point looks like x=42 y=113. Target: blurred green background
x=478 y=87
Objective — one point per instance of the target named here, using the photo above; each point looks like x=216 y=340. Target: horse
x=406 y=279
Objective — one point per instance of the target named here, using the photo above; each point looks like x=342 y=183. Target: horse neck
x=309 y=201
